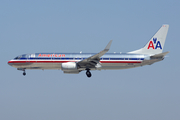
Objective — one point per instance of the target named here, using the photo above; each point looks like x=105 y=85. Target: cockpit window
x=18 y=57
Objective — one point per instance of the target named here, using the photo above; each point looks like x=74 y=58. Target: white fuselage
x=55 y=60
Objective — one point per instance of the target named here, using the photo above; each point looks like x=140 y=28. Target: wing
x=93 y=61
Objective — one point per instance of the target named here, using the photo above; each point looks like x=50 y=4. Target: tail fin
x=156 y=43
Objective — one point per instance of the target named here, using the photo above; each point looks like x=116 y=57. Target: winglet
x=98 y=55
x=108 y=46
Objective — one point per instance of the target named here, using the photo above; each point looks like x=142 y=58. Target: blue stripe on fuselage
x=52 y=58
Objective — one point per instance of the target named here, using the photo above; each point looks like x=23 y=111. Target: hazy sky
x=144 y=93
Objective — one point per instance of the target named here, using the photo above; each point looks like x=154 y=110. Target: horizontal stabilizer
x=161 y=55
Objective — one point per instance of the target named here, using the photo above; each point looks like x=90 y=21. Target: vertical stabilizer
x=156 y=43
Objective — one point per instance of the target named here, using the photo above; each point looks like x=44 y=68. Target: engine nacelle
x=69 y=66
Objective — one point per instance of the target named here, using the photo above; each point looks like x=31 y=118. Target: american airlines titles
x=51 y=55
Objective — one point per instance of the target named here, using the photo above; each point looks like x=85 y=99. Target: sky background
x=144 y=93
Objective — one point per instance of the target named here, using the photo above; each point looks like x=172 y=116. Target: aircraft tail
x=156 y=43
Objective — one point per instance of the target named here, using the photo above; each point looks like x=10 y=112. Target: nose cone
x=10 y=63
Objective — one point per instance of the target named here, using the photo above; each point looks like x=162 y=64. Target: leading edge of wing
x=98 y=55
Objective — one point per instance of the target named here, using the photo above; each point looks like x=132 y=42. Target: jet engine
x=69 y=66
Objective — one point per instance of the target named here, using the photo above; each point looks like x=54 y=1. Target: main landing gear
x=88 y=73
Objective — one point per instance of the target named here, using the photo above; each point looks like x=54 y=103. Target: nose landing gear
x=88 y=73
x=22 y=69
x=24 y=73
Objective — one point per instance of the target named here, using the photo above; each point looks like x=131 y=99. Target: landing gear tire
x=24 y=73
x=88 y=73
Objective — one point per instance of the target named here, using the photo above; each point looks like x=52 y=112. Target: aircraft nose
x=10 y=63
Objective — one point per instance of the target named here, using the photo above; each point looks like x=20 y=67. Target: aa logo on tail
x=154 y=44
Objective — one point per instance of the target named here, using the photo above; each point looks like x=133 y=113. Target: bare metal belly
x=38 y=65
x=106 y=66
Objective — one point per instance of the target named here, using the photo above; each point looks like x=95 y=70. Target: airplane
x=74 y=63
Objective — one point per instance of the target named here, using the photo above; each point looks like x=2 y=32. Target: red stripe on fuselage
x=120 y=61
x=39 y=61
x=71 y=61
